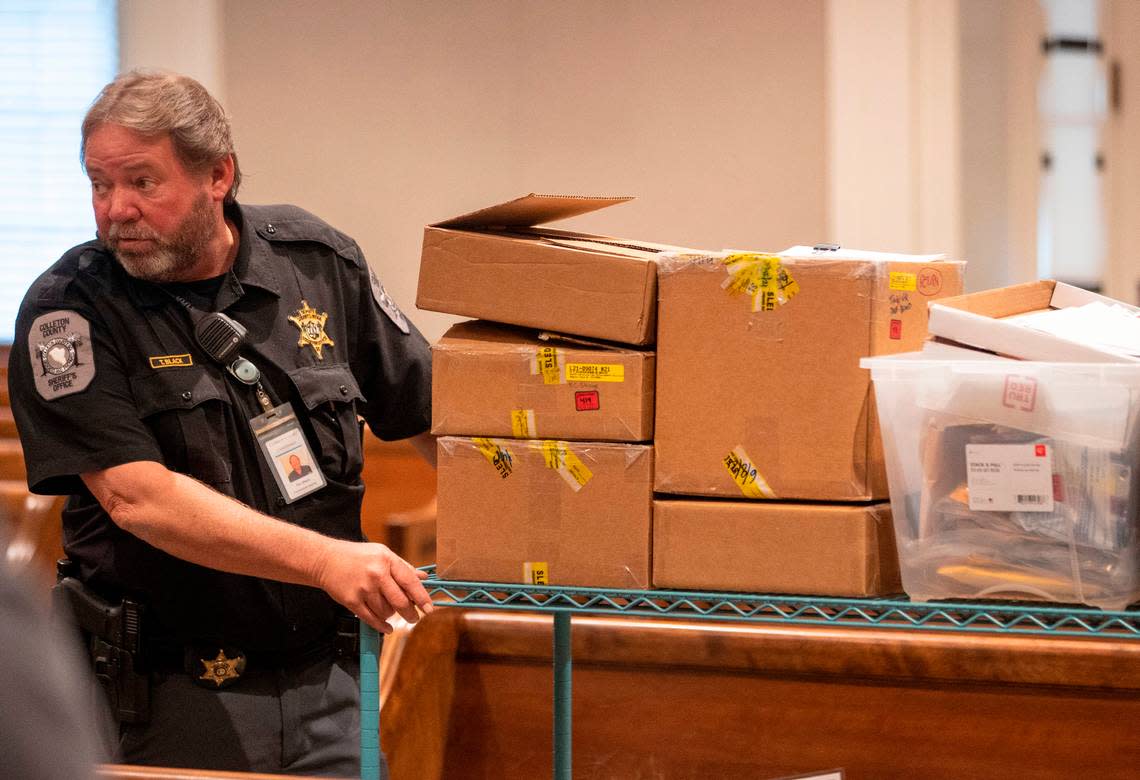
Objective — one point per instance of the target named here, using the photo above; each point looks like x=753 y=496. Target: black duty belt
x=217 y=666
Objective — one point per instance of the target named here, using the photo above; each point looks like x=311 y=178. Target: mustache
x=117 y=232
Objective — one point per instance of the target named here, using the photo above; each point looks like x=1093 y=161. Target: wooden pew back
x=662 y=698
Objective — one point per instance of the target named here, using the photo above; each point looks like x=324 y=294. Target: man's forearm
x=189 y=520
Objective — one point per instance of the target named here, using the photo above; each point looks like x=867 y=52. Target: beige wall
x=382 y=117
x=748 y=124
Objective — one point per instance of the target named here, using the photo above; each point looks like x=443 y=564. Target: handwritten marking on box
x=522 y=423
x=497 y=455
x=743 y=471
x=559 y=457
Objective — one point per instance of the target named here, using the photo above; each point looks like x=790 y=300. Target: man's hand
x=373 y=582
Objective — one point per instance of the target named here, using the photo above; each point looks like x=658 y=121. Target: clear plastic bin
x=1012 y=480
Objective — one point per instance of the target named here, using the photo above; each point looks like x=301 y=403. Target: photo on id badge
x=297 y=474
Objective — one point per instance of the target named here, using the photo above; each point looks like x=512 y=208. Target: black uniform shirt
x=105 y=370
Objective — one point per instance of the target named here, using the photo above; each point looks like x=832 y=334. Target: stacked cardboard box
x=758 y=398
x=567 y=499
x=1018 y=476
x=761 y=399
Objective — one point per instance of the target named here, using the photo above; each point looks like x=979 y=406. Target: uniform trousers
x=300 y=719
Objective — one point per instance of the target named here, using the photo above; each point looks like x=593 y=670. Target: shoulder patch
x=59 y=346
x=386 y=304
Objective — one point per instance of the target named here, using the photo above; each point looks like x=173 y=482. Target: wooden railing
x=469 y=697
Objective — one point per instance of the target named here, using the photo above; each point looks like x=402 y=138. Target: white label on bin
x=1010 y=477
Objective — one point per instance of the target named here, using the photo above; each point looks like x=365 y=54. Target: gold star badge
x=312 y=327
x=222 y=669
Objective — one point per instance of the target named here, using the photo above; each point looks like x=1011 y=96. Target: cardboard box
x=986 y=320
x=495 y=380
x=774 y=547
x=546 y=512
x=499 y=264
x=759 y=389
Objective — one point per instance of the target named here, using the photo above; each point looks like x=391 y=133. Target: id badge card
x=287 y=452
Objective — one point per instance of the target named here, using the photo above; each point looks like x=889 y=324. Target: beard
x=170 y=257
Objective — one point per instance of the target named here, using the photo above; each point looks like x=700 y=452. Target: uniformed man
x=163 y=376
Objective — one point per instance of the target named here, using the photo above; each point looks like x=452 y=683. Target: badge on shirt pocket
x=287 y=453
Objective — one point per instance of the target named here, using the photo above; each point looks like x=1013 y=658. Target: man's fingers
x=409 y=580
x=379 y=606
x=365 y=613
x=399 y=600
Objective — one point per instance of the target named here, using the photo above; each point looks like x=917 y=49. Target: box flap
x=531 y=210
x=989 y=320
x=1006 y=338
x=1003 y=301
x=1066 y=295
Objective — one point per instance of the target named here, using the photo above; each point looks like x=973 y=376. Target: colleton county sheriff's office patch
x=386 y=304
x=59 y=345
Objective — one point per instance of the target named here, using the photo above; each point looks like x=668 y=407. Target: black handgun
x=112 y=635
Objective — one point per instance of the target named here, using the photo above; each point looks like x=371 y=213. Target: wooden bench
x=399 y=499
x=7 y=423
x=12 y=460
x=31 y=537
x=128 y=772
x=468 y=695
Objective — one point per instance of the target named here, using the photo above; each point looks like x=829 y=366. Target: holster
x=111 y=634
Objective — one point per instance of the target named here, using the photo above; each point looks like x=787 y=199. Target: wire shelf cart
x=565 y=602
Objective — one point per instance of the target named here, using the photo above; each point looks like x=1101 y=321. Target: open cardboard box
x=981 y=320
x=500 y=264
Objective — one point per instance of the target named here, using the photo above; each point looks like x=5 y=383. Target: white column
x=893 y=125
x=184 y=36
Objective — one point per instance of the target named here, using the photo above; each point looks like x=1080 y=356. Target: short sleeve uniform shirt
x=105 y=370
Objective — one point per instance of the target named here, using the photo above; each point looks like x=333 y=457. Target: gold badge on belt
x=221 y=670
x=312 y=327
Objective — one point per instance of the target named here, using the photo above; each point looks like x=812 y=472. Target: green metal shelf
x=895 y=613
x=564 y=602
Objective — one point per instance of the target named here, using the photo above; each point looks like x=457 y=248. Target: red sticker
x=1039 y=450
x=1058 y=488
x=896 y=329
x=587 y=400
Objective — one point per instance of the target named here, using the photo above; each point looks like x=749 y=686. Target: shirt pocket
x=329 y=395
x=189 y=412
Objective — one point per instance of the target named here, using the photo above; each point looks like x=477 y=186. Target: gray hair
x=153 y=103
